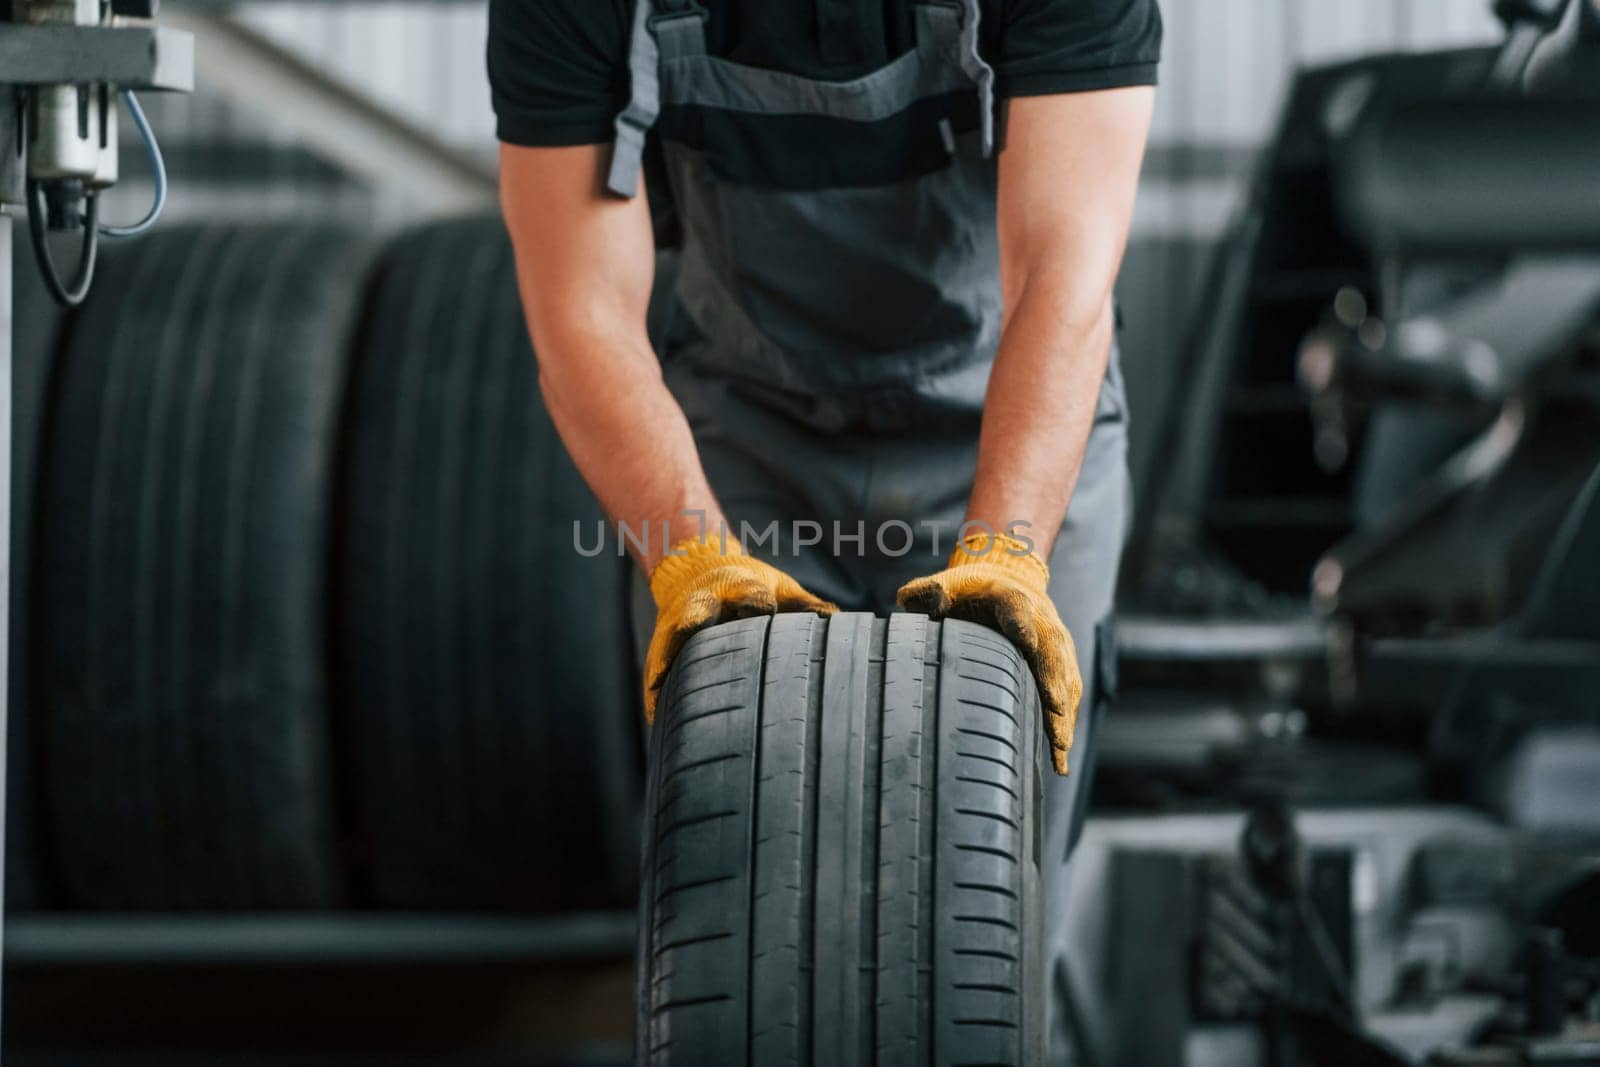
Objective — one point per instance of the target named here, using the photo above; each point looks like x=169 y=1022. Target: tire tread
x=885 y=910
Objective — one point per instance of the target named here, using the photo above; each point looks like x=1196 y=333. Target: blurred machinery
x=66 y=63
x=1400 y=360
x=62 y=65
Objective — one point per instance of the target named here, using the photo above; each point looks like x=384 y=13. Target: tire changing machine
x=62 y=64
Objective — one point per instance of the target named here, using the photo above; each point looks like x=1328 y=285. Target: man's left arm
x=1067 y=181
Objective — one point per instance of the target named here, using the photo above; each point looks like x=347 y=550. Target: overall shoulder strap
x=981 y=74
x=663 y=30
x=979 y=71
x=946 y=26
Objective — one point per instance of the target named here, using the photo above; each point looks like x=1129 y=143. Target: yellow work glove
x=995 y=581
x=701 y=583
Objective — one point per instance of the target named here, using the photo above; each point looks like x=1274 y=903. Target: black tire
x=844 y=821
x=491 y=716
x=181 y=595
x=36 y=323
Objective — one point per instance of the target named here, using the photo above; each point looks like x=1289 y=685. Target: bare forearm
x=1067 y=182
x=585 y=266
x=629 y=438
x=1040 y=407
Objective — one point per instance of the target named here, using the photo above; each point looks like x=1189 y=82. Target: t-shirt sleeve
x=1070 y=46
x=557 y=69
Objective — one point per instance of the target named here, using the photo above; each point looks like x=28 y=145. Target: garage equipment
x=1447 y=939
x=1566 y=59
x=67 y=61
x=1446 y=288
x=1472 y=543
x=1398 y=360
x=844 y=821
x=60 y=61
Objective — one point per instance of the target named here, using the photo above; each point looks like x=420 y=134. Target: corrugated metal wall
x=1225 y=69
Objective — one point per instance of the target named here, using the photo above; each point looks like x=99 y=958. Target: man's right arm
x=585 y=263
x=585 y=266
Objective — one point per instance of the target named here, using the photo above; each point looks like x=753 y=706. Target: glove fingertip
x=734 y=610
x=1063 y=692
x=925 y=597
x=1058 y=727
x=807 y=602
x=700 y=609
x=739 y=596
x=1013 y=612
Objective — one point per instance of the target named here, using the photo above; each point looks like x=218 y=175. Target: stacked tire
x=305 y=628
x=844 y=822
x=179 y=693
x=36 y=329
x=488 y=704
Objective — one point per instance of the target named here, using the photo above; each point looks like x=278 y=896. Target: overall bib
x=831 y=348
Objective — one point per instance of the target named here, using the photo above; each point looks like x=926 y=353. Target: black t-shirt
x=559 y=76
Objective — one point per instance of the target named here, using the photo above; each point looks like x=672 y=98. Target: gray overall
x=831 y=348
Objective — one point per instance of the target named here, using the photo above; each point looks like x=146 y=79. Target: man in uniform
x=892 y=319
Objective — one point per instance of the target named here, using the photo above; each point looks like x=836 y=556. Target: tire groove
x=683 y=767
x=932 y=703
x=238 y=537
x=981 y=680
x=987 y=953
x=903 y=956
x=995 y=816
x=752 y=845
x=698 y=883
x=702 y=939
x=1006 y=666
x=189 y=787
x=453 y=679
x=990 y=759
x=988 y=851
x=1006 y=789
x=687 y=719
x=972 y=703
x=845 y=787
x=688 y=1002
x=815 y=679
x=872 y=801
x=986 y=735
x=695 y=820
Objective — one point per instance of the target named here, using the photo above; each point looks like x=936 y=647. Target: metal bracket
x=12 y=158
x=128 y=57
